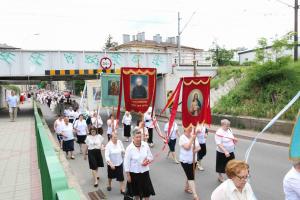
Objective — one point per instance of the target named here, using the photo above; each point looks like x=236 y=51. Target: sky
x=85 y=24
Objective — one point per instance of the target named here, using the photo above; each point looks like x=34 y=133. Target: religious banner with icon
x=110 y=84
x=195 y=101
x=139 y=86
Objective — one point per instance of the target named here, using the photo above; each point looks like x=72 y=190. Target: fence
x=54 y=181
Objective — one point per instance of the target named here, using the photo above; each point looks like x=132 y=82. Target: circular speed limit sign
x=105 y=63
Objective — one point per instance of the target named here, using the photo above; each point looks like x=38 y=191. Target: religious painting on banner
x=139 y=86
x=196 y=101
x=110 y=84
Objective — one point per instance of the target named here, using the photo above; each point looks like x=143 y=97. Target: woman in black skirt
x=136 y=164
x=187 y=150
x=94 y=144
x=81 y=129
x=201 y=132
x=225 y=142
x=126 y=121
x=114 y=152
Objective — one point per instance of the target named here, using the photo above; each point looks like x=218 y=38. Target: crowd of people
x=134 y=161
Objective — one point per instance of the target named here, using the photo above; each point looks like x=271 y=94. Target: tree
x=276 y=50
x=220 y=55
x=79 y=86
x=109 y=43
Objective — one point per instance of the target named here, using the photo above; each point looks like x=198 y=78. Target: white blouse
x=114 y=152
x=67 y=131
x=127 y=120
x=225 y=138
x=228 y=191
x=174 y=129
x=148 y=121
x=94 y=142
x=201 y=135
x=186 y=156
x=59 y=124
x=110 y=126
x=81 y=126
x=135 y=157
x=97 y=122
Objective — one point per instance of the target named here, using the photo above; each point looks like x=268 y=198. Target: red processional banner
x=195 y=101
x=139 y=86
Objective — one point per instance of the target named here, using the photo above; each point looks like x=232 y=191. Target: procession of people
x=126 y=152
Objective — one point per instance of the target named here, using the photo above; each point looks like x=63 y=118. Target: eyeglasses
x=246 y=178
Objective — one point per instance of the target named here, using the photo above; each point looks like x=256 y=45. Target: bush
x=266 y=89
x=224 y=74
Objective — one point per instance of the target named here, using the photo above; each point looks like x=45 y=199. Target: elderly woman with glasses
x=236 y=186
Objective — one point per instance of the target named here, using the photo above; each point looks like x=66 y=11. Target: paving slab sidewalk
x=19 y=172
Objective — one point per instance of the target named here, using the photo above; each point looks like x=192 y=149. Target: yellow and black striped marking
x=71 y=72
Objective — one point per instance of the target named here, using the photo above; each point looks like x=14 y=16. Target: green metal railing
x=53 y=178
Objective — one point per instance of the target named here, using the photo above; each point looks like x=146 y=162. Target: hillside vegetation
x=224 y=74
x=265 y=89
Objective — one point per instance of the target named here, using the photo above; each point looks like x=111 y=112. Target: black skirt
x=172 y=144
x=188 y=170
x=222 y=160
x=127 y=129
x=202 y=152
x=117 y=173
x=141 y=184
x=81 y=139
x=68 y=145
x=95 y=159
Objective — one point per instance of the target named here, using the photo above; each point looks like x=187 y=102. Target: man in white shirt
x=12 y=102
x=291 y=183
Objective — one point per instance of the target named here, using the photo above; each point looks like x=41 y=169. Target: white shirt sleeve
x=218 y=139
x=107 y=148
x=219 y=193
x=127 y=159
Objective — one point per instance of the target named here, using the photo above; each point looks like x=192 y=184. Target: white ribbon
x=270 y=124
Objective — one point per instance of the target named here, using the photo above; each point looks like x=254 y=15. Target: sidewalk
x=19 y=173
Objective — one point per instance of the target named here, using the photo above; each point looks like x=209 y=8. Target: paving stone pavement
x=19 y=173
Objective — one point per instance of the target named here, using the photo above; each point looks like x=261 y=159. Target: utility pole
x=178 y=40
x=296 y=7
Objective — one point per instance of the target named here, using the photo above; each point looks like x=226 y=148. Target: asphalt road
x=268 y=165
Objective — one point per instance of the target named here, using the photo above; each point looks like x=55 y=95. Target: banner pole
x=194 y=128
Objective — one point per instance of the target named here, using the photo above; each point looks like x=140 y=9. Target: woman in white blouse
x=97 y=123
x=114 y=152
x=236 y=187
x=81 y=129
x=136 y=164
x=187 y=152
x=149 y=125
x=225 y=142
x=126 y=121
x=172 y=140
x=68 y=138
x=94 y=144
x=111 y=126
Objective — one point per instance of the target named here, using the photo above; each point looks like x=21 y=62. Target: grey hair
x=296 y=163
x=225 y=121
x=136 y=131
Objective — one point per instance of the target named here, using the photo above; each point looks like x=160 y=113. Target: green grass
x=264 y=91
x=224 y=74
